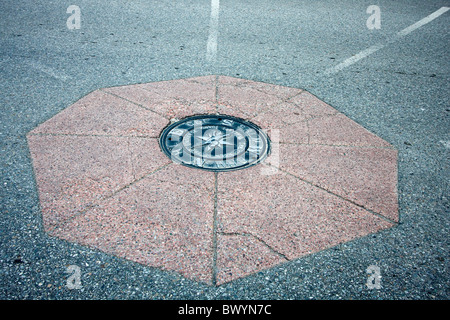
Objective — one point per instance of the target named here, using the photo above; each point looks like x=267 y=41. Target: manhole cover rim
x=261 y=132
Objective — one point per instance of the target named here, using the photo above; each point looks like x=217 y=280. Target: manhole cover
x=215 y=142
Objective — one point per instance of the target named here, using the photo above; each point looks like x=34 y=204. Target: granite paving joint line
x=248 y=84
x=82 y=212
x=337 y=145
x=214 y=243
x=194 y=79
x=133 y=169
x=308 y=133
x=43 y=134
x=247 y=234
x=270 y=108
x=379 y=215
x=315 y=117
x=105 y=90
x=216 y=93
x=141 y=178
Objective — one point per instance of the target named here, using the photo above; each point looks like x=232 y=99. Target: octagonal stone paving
x=104 y=182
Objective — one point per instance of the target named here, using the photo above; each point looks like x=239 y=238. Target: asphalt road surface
x=393 y=80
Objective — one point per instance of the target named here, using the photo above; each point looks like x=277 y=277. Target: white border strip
x=47 y=70
x=211 y=47
x=365 y=53
x=422 y=22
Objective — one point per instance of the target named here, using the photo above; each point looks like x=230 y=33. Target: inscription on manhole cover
x=215 y=142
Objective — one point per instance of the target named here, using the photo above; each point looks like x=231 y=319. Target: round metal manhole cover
x=215 y=142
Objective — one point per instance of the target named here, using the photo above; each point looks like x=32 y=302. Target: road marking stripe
x=47 y=70
x=211 y=47
x=422 y=22
x=365 y=53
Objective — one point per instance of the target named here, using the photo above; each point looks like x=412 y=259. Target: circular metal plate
x=215 y=142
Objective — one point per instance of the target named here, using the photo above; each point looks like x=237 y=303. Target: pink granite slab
x=311 y=105
x=248 y=100
x=340 y=130
x=366 y=176
x=177 y=109
x=164 y=220
x=231 y=81
x=241 y=255
x=232 y=111
x=100 y=113
x=182 y=90
x=184 y=99
x=288 y=120
x=74 y=173
x=281 y=115
x=151 y=94
x=104 y=182
x=282 y=92
x=210 y=80
x=290 y=216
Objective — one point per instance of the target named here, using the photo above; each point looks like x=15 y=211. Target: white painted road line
x=363 y=54
x=47 y=70
x=445 y=143
x=211 y=47
x=422 y=22
x=354 y=59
